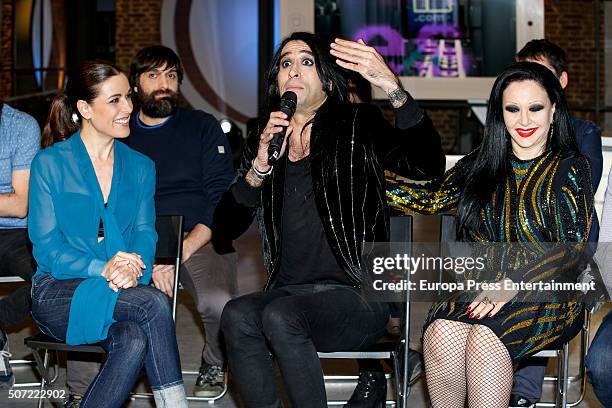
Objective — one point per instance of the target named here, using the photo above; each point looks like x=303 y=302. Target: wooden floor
x=251 y=277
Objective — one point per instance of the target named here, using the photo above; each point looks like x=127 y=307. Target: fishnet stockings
x=462 y=359
x=488 y=369
x=444 y=345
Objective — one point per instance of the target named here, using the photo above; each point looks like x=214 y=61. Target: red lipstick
x=526 y=132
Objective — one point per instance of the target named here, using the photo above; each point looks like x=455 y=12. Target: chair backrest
x=448 y=229
x=400 y=227
x=170 y=238
x=448 y=237
x=170 y=247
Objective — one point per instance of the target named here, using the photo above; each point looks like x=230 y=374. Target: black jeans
x=293 y=323
x=16 y=260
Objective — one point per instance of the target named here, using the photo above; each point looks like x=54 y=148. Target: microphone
x=287 y=106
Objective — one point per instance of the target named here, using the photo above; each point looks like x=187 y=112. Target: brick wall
x=571 y=25
x=6 y=48
x=137 y=26
x=446 y=122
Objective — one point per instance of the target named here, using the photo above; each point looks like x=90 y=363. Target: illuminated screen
x=427 y=38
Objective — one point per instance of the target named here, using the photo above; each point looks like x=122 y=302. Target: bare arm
x=15 y=203
x=198 y=237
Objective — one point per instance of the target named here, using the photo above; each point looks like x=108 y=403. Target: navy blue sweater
x=193 y=161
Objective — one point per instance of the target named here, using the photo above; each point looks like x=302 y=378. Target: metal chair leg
x=405 y=383
x=396 y=378
x=564 y=375
x=558 y=391
x=45 y=376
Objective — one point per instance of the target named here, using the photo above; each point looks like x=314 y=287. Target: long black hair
x=489 y=167
x=329 y=72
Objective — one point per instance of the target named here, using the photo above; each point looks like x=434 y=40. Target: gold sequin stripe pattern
x=541 y=345
x=431 y=198
x=520 y=312
x=518 y=326
x=526 y=185
x=507 y=217
x=536 y=193
x=540 y=265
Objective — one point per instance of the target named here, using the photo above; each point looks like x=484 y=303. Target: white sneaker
x=7 y=378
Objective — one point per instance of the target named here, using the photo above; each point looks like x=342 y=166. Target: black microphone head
x=288 y=103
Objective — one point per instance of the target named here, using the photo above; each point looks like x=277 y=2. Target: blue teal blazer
x=65 y=209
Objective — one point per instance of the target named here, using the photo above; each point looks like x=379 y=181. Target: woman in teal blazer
x=92 y=226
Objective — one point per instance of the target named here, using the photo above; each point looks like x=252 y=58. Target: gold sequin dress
x=548 y=199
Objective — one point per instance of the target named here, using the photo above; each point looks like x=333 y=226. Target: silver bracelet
x=258 y=173
x=398 y=97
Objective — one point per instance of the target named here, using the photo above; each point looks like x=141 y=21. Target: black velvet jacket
x=351 y=146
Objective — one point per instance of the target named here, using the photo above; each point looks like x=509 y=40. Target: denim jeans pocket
x=41 y=326
x=53 y=323
x=51 y=299
x=39 y=286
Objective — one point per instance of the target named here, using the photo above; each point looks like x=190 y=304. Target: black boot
x=371 y=391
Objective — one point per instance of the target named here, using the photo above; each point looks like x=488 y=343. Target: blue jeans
x=599 y=362
x=293 y=323
x=529 y=378
x=143 y=335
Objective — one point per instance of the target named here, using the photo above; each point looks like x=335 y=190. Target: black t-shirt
x=306 y=256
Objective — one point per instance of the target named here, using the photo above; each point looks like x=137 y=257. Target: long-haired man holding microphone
x=317 y=203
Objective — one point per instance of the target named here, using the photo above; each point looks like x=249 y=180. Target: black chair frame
x=396 y=351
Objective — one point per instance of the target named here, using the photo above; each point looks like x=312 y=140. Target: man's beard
x=157 y=107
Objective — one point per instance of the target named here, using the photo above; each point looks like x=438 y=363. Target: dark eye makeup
x=512 y=108
x=532 y=108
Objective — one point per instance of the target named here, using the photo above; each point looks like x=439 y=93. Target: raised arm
x=411 y=149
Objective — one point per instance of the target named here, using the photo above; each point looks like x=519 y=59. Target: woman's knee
x=160 y=302
x=127 y=336
x=482 y=341
x=151 y=301
x=442 y=339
